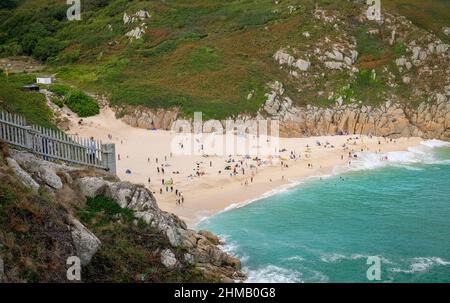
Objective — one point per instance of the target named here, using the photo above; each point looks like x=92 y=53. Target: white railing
x=56 y=145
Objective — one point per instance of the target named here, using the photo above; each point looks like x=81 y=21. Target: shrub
x=46 y=48
x=10 y=49
x=58 y=102
x=399 y=48
x=103 y=210
x=70 y=57
x=60 y=90
x=82 y=104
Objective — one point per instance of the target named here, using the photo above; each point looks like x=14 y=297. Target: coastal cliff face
x=144 y=117
x=115 y=228
x=428 y=120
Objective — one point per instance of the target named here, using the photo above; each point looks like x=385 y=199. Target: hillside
x=219 y=57
x=50 y=212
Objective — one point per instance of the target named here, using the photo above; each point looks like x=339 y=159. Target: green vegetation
x=431 y=15
x=32 y=229
x=31 y=105
x=128 y=247
x=100 y=211
x=82 y=104
x=399 y=48
x=58 y=102
x=203 y=55
x=367 y=86
x=76 y=100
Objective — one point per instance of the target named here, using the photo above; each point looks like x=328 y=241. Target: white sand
x=212 y=192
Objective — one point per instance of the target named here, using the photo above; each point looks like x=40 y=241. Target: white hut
x=44 y=80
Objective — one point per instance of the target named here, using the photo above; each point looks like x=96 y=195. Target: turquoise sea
x=324 y=229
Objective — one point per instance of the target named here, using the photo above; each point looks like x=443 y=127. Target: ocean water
x=324 y=229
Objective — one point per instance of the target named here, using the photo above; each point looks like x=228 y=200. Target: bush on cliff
x=82 y=104
x=76 y=100
x=130 y=247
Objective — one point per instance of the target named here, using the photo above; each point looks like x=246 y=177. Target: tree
x=46 y=48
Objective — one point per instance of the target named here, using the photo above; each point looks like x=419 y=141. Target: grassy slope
x=203 y=55
x=430 y=15
x=31 y=105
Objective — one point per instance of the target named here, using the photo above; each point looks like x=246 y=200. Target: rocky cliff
x=53 y=212
x=144 y=117
x=393 y=119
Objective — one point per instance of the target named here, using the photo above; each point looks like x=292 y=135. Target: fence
x=56 y=145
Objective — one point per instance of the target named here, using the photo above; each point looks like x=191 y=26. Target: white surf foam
x=435 y=143
x=295 y=258
x=272 y=274
x=421 y=154
x=421 y=264
x=278 y=190
x=334 y=258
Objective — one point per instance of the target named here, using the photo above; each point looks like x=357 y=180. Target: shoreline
x=294 y=183
x=143 y=151
x=233 y=195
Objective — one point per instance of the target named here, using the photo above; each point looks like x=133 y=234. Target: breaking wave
x=421 y=264
x=272 y=274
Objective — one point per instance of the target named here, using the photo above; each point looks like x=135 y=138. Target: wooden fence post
x=109 y=157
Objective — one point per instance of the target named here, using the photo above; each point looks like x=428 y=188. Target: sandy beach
x=205 y=191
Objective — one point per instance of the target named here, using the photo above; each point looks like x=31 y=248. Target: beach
x=198 y=186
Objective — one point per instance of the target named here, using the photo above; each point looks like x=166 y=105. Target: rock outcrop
x=138 y=31
x=283 y=58
x=86 y=243
x=428 y=120
x=201 y=249
x=148 y=118
x=23 y=176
